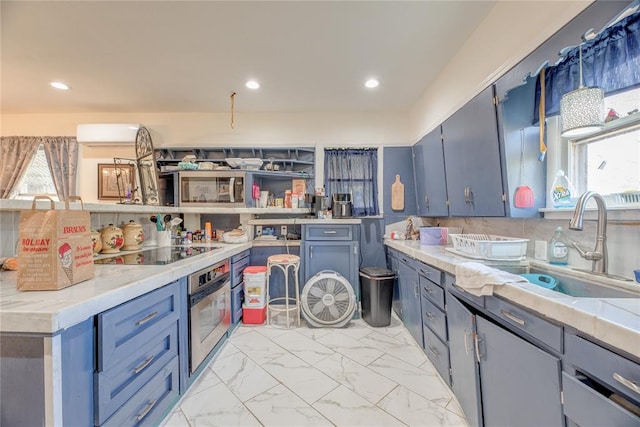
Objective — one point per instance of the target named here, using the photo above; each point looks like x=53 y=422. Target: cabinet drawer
x=237 y=296
x=526 y=321
x=152 y=312
x=432 y=291
x=430 y=273
x=588 y=408
x=434 y=318
x=237 y=268
x=118 y=384
x=149 y=404
x=238 y=257
x=608 y=367
x=437 y=352
x=329 y=232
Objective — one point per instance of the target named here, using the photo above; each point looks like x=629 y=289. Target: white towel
x=479 y=279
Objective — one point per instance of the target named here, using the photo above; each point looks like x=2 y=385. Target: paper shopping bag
x=54 y=249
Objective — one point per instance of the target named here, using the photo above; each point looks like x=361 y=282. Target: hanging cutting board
x=397 y=195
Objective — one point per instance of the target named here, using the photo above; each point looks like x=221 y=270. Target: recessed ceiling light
x=60 y=85
x=252 y=84
x=371 y=83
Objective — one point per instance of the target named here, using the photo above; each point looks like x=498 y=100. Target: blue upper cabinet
x=397 y=161
x=472 y=159
x=428 y=164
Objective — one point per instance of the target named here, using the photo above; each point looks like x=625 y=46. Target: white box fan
x=328 y=300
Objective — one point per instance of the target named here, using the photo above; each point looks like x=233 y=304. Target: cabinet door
x=465 y=379
x=472 y=159
x=392 y=263
x=420 y=175
x=341 y=257
x=432 y=200
x=520 y=382
x=410 y=297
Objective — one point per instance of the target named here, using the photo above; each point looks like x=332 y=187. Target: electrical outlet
x=283 y=230
x=258 y=230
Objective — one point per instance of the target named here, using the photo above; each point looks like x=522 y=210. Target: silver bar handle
x=627 y=383
x=513 y=318
x=146 y=410
x=434 y=351
x=146 y=318
x=477 y=340
x=143 y=365
x=426 y=201
x=429 y=315
x=232 y=183
x=310 y=251
x=416 y=290
x=330 y=232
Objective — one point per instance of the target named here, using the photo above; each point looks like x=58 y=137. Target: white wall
x=511 y=31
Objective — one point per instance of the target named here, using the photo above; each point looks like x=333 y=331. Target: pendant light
x=582 y=110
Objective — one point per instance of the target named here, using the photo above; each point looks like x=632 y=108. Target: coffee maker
x=316 y=203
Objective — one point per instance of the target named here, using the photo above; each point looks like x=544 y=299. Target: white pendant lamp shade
x=582 y=110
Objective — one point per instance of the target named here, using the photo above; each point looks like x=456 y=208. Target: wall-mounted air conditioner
x=107 y=134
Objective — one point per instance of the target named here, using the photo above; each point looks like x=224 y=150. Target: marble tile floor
x=354 y=376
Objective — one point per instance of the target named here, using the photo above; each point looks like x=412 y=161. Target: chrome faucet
x=599 y=254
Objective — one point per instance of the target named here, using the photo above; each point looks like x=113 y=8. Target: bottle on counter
x=559 y=248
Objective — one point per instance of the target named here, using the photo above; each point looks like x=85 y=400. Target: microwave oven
x=206 y=188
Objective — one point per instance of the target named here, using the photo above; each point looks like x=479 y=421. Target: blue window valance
x=611 y=61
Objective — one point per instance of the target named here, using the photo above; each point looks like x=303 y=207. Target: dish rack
x=490 y=247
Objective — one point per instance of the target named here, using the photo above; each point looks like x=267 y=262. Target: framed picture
x=110 y=177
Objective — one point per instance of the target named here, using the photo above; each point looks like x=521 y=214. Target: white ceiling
x=188 y=56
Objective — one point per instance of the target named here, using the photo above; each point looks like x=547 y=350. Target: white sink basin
x=583 y=288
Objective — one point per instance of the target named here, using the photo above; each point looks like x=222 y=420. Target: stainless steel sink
x=582 y=288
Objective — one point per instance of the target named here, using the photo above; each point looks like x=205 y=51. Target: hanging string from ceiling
x=233 y=96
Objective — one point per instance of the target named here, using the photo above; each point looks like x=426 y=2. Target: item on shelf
x=96 y=242
x=206 y=166
x=562 y=192
x=559 y=248
x=112 y=239
x=133 y=236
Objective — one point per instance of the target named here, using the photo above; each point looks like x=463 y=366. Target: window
x=353 y=171
x=37 y=179
x=609 y=161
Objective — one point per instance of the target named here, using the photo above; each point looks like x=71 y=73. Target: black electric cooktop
x=153 y=256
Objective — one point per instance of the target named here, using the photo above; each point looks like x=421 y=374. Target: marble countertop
x=51 y=311
x=615 y=321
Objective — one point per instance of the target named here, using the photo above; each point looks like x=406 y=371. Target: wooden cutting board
x=397 y=195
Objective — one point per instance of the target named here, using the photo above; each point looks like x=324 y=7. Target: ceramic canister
x=96 y=242
x=112 y=239
x=133 y=236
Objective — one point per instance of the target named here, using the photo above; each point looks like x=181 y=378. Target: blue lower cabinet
x=237 y=297
x=409 y=287
x=520 y=382
x=149 y=404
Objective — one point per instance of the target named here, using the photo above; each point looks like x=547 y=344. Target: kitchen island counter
x=48 y=312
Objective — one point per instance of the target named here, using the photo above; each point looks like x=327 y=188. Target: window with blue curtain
x=353 y=171
x=611 y=61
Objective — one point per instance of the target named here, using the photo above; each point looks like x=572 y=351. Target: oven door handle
x=210 y=289
x=232 y=188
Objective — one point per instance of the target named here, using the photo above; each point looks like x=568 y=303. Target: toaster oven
x=205 y=188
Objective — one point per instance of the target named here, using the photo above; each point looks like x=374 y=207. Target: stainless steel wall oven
x=209 y=310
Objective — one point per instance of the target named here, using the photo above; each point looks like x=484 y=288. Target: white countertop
x=615 y=321
x=51 y=311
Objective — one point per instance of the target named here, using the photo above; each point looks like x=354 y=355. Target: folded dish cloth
x=479 y=279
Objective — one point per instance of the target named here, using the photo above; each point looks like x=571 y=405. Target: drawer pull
x=146 y=318
x=416 y=291
x=627 y=383
x=146 y=410
x=425 y=273
x=513 y=318
x=330 y=232
x=434 y=351
x=427 y=290
x=143 y=365
x=429 y=315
